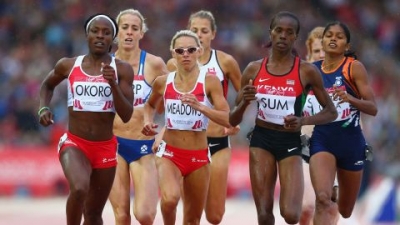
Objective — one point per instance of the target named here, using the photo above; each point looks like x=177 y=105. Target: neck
x=98 y=59
x=332 y=62
x=279 y=57
x=184 y=74
x=205 y=56
x=131 y=55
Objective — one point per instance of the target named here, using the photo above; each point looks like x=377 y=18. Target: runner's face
x=100 y=36
x=283 y=34
x=130 y=31
x=188 y=58
x=202 y=27
x=334 y=40
x=316 y=51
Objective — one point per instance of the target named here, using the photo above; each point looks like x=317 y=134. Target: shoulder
x=310 y=76
x=123 y=66
x=251 y=71
x=357 y=64
x=154 y=61
x=155 y=66
x=121 y=63
x=211 y=78
x=254 y=66
x=224 y=57
x=161 y=79
x=64 y=65
x=160 y=82
x=307 y=67
x=66 y=61
x=309 y=73
x=171 y=64
x=226 y=60
x=212 y=83
x=357 y=69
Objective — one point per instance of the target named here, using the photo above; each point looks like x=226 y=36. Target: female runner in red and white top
x=99 y=87
x=188 y=95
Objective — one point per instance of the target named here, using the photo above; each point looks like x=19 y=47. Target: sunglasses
x=181 y=51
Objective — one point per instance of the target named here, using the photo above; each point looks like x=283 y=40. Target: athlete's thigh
x=349 y=182
x=195 y=186
x=309 y=195
x=323 y=171
x=219 y=174
x=291 y=181
x=263 y=175
x=76 y=167
x=120 y=191
x=169 y=177
x=145 y=182
x=100 y=185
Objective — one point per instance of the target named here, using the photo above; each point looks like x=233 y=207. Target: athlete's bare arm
x=310 y=76
x=122 y=93
x=246 y=93
x=230 y=68
x=367 y=102
x=152 y=103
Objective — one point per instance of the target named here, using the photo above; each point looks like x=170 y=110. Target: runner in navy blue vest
x=339 y=147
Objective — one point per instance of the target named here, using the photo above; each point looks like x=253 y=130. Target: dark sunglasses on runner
x=190 y=50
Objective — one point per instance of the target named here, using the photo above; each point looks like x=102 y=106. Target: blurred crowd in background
x=34 y=34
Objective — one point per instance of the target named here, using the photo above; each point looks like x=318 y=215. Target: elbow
x=374 y=112
x=125 y=120
x=228 y=125
x=334 y=115
x=233 y=121
x=127 y=116
x=226 y=122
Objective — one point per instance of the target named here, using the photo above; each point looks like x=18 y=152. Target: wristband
x=42 y=109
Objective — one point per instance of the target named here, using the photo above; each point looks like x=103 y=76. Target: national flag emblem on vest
x=290 y=82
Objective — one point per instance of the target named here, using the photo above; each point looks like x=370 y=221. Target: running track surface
x=23 y=211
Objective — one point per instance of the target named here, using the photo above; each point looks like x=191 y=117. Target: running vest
x=279 y=96
x=90 y=93
x=214 y=68
x=341 y=78
x=180 y=116
x=141 y=89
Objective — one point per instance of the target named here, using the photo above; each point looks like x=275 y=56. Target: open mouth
x=99 y=44
x=281 y=44
x=332 y=45
x=128 y=40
